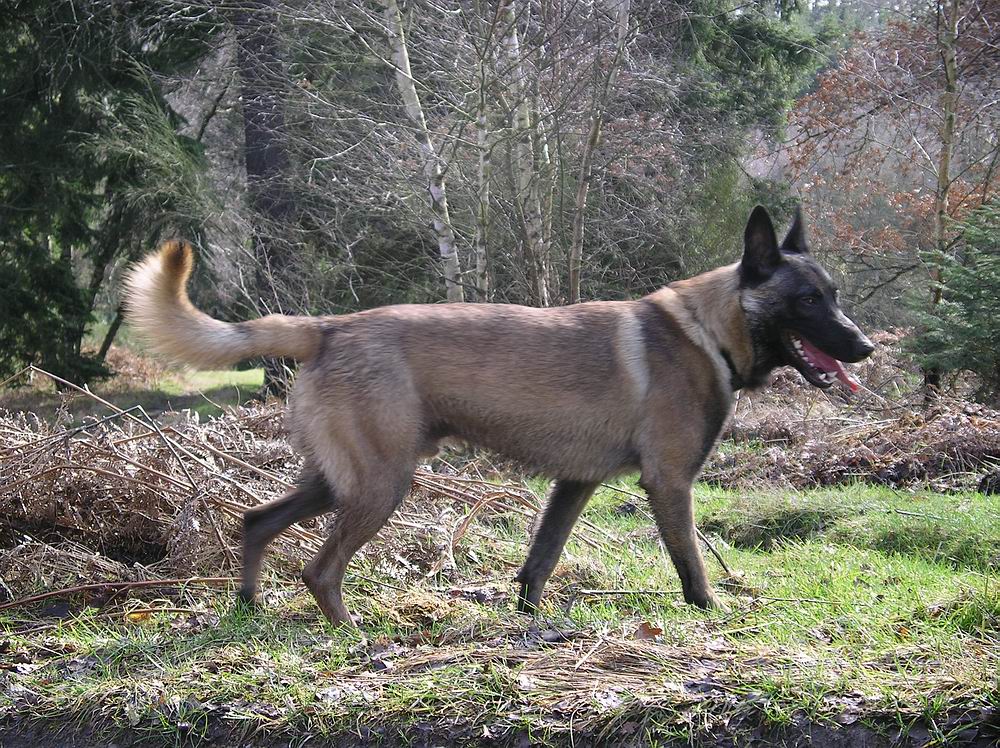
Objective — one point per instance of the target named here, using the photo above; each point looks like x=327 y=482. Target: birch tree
x=523 y=162
x=481 y=240
x=443 y=231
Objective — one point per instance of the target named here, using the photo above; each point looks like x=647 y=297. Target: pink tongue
x=828 y=364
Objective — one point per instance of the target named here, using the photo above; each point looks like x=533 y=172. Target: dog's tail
x=157 y=305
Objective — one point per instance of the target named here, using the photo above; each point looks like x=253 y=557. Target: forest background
x=329 y=157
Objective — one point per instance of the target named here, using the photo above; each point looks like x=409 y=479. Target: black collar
x=735 y=380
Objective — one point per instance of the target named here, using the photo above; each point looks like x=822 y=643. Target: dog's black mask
x=792 y=307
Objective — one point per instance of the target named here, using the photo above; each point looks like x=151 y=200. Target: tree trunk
x=480 y=241
x=587 y=158
x=267 y=163
x=109 y=337
x=524 y=167
x=947 y=41
x=432 y=163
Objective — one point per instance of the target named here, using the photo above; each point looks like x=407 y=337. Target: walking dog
x=578 y=393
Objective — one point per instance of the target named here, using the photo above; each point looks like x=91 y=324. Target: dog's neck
x=708 y=309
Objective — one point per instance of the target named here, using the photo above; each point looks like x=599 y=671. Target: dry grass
x=170 y=493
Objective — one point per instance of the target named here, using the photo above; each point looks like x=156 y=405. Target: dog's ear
x=795 y=241
x=761 y=255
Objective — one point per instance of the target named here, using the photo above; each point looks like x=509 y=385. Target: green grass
x=206 y=393
x=962 y=530
x=838 y=599
x=208 y=381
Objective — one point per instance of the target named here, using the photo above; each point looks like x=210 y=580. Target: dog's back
x=561 y=390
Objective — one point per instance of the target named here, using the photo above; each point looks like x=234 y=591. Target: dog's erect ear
x=795 y=241
x=761 y=255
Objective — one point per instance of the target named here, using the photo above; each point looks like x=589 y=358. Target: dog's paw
x=708 y=601
x=246 y=604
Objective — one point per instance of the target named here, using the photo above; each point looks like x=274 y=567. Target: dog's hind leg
x=359 y=518
x=261 y=524
x=562 y=511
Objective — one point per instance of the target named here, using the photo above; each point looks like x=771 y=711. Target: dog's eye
x=809 y=300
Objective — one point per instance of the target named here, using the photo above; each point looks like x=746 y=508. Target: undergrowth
x=844 y=609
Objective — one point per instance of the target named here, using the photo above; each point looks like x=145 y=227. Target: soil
x=220 y=733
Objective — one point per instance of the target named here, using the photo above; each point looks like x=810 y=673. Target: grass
x=206 y=393
x=880 y=606
x=958 y=529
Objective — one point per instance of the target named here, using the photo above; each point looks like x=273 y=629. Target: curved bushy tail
x=158 y=307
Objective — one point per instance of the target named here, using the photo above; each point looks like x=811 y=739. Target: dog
x=577 y=393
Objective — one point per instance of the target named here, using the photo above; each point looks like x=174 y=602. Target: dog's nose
x=865 y=347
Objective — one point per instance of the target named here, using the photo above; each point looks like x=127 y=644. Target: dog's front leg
x=672 y=505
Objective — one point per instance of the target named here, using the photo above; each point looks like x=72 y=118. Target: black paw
x=247 y=603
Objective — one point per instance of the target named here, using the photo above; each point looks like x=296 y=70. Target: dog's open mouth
x=819 y=369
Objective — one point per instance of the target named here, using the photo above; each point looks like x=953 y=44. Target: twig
x=18 y=375
x=116 y=586
x=598 y=593
x=235 y=460
x=813 y=600
x=590 y=652
x=613 y=593
x=918 y=514
x=718 y=556
x=706 y=541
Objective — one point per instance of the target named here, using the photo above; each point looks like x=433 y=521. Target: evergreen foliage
x=960 y=333
x=746 y=65
x=71 y=72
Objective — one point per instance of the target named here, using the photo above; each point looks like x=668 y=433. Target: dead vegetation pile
x=791 y=434
x=131 y=369
x=127 y=497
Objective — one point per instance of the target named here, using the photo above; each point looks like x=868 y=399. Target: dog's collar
x=735 y=379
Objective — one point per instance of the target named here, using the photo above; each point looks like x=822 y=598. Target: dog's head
x=792 y=308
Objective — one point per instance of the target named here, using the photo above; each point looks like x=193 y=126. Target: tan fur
x=708 y=309
x=578 y=393
x=157 y=306
x=632 y=353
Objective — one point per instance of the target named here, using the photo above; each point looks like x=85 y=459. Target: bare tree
x=586 y=171
x=547 y=140
x=524 y=164
x=267 y=163
x=947 y=27
x=432 y=160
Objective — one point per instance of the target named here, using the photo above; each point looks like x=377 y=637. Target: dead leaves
x=646 y=630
